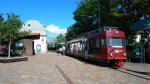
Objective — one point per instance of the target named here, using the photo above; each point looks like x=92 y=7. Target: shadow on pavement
x=101 y=64
x=144 y=73
x=126 y=71
x=92 y=62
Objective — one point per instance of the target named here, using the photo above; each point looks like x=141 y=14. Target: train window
x=103 y=41
x=78 y=46
x=116 y=42
x=74 y=48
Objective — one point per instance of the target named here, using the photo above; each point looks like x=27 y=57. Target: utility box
x=141 y=53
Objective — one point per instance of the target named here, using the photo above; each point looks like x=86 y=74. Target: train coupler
x=120 y=64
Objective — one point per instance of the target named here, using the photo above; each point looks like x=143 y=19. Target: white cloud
x=56 y=29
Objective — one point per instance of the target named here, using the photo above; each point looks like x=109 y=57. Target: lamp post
x=98 y=13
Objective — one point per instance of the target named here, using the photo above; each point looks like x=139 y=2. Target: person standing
x=63 y=49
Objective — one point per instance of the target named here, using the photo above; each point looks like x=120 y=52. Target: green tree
x=60 y=38
x=11 y=29
x=88 y=17
x=118 y=13
x=73 y=31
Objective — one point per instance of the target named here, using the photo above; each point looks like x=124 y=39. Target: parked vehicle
x=61 y=49
x=106 y=44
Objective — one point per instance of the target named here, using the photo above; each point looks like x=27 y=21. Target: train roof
x=93 y=32
x=105 y=28
x=77 y=39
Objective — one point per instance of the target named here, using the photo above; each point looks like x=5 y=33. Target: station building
x=37 y=37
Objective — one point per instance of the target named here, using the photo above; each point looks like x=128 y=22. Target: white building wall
x=36 y=27
x=42 y=42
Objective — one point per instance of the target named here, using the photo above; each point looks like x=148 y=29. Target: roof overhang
x=32 y=36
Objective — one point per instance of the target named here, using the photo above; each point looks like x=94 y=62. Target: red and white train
x=106 y=44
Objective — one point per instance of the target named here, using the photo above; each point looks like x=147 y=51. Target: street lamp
x=99 y=14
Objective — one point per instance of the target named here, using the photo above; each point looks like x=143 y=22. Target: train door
x=67 y=50
x=94 y=46
x=85 y=48
x=71 y=49
x=103 y=48
x=79 y=48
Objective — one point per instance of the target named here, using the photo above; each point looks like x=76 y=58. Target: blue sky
x=53 y=13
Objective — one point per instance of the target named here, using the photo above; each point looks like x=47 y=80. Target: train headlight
x=124 y=54
x=116 y=51
x=110 y=54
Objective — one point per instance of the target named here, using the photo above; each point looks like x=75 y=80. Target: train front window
x=116 y=42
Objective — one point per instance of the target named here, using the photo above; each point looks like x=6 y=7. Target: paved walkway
x=39 y=69
x=53 y=68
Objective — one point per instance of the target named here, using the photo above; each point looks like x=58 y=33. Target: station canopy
x=141 y=25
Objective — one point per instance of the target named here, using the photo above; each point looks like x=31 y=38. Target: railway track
x=68 y=80
x=139 y=74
